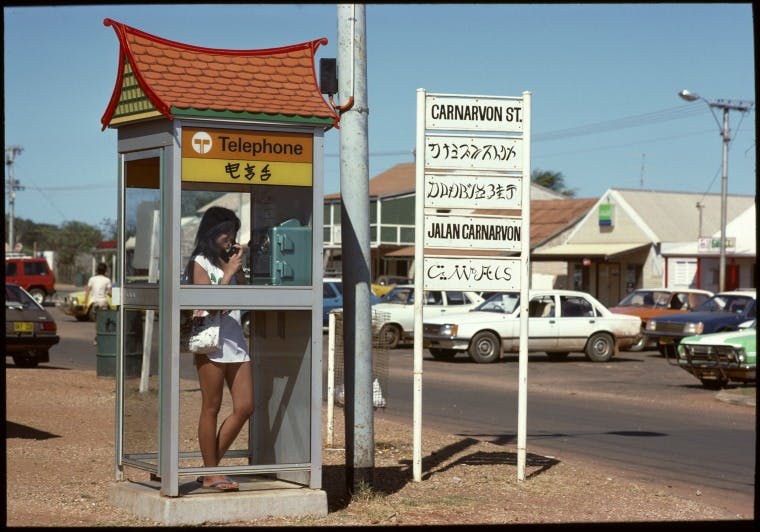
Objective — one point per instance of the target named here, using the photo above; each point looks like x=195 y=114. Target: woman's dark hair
x=215 y=221
x=101 y=269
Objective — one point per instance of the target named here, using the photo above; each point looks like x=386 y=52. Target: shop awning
x=590 y=250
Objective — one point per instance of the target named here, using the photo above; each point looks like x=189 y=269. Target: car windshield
x=646 y=299
x=400 y=295
x=505 y=302
x=15 y=297
x=725 y=303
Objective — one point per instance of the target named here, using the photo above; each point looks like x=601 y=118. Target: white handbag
x=204 y=335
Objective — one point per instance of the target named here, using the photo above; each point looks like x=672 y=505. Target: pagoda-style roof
x=158 y=77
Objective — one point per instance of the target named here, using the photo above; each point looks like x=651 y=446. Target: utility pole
x=641 y=177
x=10 y=155
x=700 y=206
x=355 y=247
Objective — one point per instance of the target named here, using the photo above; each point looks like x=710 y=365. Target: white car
x=396 y=309
x=560 y=322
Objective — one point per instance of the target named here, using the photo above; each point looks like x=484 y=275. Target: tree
x=108 y=228
x=76 y=237
x=552 y=180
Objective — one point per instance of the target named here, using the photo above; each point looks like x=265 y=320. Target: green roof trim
x=189 y=111
x=132 y=99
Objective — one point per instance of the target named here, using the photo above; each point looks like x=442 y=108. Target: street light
x=725 y=132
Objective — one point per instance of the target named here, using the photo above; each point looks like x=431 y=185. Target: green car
x=719 y=357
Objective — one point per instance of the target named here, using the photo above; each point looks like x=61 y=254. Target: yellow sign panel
x=246 y=172
x=248 y=157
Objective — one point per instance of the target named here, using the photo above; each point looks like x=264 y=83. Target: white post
x=522 y=380
x=419 y=213
x=150 y=314
x=330 y=376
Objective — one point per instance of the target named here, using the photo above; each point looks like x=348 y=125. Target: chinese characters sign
x=454 y=191
x=473 y=153
x=500 y=274
x=247 y=157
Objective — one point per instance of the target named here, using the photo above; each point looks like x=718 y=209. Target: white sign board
x=473 y=153
x=474 y=113
x=462 y=191
x=476 y=274
x=470 y=232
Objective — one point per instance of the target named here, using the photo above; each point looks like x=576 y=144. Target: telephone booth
x=240 y=129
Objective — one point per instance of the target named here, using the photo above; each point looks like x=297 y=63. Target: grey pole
x=10 y=156
x=723 y=192
x=355 y=247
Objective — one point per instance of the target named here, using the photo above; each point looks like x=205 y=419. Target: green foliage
x=552 y=180
x=67 y=240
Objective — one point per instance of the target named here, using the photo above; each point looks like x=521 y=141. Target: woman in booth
x=216 y=260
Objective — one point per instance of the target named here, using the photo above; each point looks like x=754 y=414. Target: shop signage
x=476 y=274
x=712 y=245
x=247 y=157
x=474 y=113
x=469 y=232
x=463 y=191
x=606 y=212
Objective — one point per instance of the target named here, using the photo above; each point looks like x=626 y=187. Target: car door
x=578 y=320
x=543 y=329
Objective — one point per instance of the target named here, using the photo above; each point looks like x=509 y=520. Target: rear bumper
x=19 y=344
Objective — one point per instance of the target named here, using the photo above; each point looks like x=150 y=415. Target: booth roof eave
x=244 y=115
x=606 y=251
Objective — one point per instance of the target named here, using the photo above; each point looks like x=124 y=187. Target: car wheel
x=25 y=360
x=558 y=357
x=391 y=334
x=92 y=313
x=80 y=317
x=38 y=294
x=484 y=348
x=600 y=347
x=639 y=345
x=443 y=354
x=714 y=384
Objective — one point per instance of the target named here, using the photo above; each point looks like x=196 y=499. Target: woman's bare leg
x=240 y=383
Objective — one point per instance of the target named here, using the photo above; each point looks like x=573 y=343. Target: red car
x=32 y=274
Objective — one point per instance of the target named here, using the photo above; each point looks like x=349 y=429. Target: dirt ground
x=60 y=449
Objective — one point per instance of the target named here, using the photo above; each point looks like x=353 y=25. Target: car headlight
x=73 y=301
x=694 y=328
x=681 y=351
x=651 y=325
x=740 y=356
x=449 y=329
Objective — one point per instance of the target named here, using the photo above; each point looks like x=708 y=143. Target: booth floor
x=257 y=498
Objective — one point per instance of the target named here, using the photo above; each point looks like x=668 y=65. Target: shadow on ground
x=391 y=479
x=16 y=430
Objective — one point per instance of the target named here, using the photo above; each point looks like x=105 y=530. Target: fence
x=335 y=366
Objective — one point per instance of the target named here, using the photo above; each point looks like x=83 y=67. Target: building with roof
x=647 y=238
x=392 y=197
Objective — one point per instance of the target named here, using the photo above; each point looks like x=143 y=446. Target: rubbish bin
x=106 y=339
x=79 y=279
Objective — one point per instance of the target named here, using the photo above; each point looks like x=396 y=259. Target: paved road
x=635 y=413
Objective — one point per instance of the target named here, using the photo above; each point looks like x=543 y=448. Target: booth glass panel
x=275 y=233
x=142 y=204
x=279 y=431
x=140 y=411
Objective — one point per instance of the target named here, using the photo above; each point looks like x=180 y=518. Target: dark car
x=722 y=312
x=30 y=330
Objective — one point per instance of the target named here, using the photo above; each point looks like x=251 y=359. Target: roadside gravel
x=59 y=449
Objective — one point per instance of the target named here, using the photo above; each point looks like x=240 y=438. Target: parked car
x=30 y=331
x=385 y=283
x=559 y=322
x=75 y=305
x=398 y=306
x=648 y=303
x=33 y=274
x=332 y=297
x=715 y=359
x=722 y=312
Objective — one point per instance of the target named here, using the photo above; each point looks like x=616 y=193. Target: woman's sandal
x=217 y=485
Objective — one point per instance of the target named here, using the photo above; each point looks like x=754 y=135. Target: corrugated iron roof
x=276 y=84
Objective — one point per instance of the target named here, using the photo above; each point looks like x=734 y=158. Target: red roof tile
x=275 y=81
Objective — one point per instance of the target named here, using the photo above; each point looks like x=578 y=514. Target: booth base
x=257 y=499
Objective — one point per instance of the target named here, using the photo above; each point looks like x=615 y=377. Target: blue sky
x=604 y=80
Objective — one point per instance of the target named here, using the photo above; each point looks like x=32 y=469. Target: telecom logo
x=201 y=142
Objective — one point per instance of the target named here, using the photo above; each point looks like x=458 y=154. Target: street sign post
x=475 y=155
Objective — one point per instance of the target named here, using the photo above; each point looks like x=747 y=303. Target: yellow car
x=385 y=284
x=75 y=305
